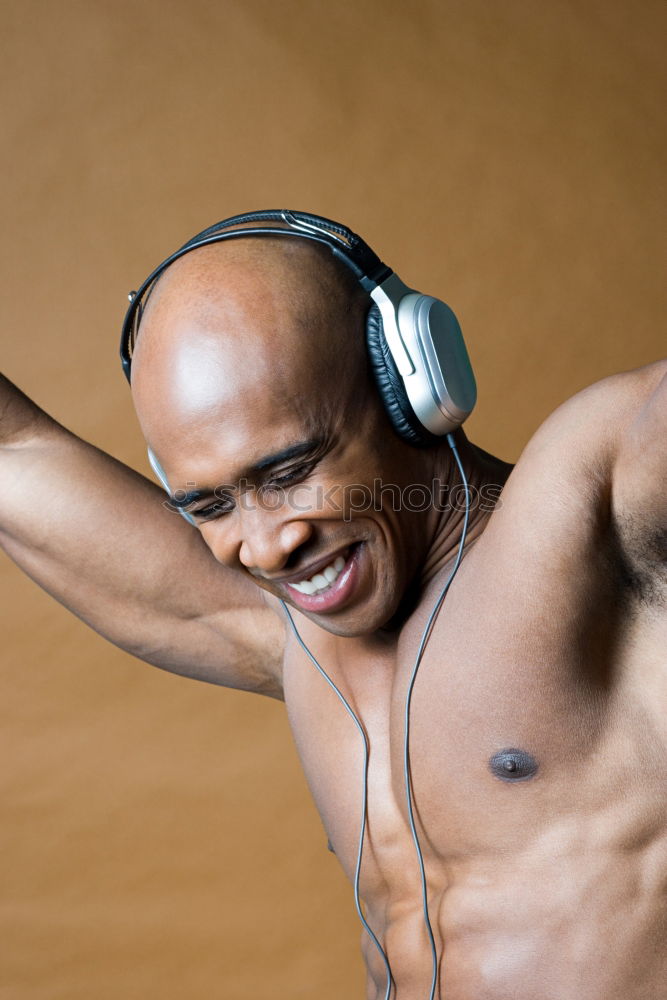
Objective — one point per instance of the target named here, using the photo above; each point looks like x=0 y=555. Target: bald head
x=248 y=328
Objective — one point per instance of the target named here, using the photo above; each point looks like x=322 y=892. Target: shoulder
x=605 y=410
x=603 y=455
x=596 y=429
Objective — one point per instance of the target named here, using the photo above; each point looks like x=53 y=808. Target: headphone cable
x=364 y=805
x=406 y=747
x=406 y=751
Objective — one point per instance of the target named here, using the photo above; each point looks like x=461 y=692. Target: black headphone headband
x=346 y=246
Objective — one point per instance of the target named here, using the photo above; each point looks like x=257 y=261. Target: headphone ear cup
x=390 y=385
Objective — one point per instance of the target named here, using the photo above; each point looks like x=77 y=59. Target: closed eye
x=293 y=475
x=222 y=505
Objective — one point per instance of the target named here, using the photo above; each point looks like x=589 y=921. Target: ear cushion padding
x=390 y=385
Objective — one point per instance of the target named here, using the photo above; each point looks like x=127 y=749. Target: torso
x=546 y=882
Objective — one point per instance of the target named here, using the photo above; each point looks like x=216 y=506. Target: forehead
x=219 y=410
x=234 y=363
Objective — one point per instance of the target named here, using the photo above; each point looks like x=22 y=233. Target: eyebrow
x=292 y=451
x=183 y=498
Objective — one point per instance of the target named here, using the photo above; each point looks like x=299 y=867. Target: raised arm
x=95 y=535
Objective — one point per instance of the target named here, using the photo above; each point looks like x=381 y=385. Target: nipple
x=513 y=765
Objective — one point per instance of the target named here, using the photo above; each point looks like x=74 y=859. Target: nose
x=262 y=541
x=268 y=551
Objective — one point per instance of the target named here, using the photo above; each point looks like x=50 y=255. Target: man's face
x=278 y=446
x=296 y=505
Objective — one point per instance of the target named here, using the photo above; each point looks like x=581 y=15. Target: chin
x=356 y=623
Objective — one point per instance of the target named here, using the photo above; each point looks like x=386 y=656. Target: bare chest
x=533 y=699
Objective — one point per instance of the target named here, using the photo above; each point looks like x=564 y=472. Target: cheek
x=313 y=500
x=398 y=544
x=209 y=539
x=223 y=542
x=332 y=499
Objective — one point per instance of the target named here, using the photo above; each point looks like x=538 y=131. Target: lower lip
x=334 y=596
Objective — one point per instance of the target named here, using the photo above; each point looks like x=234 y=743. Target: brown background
x=157 y=838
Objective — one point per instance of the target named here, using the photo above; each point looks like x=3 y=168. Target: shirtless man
x=537 y=722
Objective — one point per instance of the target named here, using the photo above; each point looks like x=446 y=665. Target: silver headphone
x=414 y=341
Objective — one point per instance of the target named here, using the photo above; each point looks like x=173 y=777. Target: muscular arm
x=602 y=457
x=95 y=535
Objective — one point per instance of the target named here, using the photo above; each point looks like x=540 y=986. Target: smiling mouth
x=323 y=579
x=331 y=586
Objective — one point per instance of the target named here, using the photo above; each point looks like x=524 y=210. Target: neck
x=486 y=476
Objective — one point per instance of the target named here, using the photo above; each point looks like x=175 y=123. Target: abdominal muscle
x=538 y=928
x=564 y=906
x=545 y=889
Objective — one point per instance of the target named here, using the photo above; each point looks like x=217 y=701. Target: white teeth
x=322 y=580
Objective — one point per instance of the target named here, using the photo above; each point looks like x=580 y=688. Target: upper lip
x=308 y=571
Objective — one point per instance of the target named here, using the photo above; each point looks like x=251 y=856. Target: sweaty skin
x=538 y=728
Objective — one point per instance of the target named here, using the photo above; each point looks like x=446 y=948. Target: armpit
x=639 y=485
x=643 y=558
